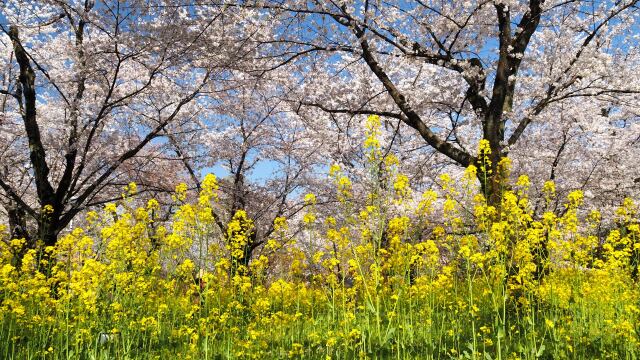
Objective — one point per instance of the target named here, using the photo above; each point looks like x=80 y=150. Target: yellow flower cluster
x=393 y=273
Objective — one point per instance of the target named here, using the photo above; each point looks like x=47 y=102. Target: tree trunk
x=48 y=231
x=17 y=222
x=493 y=175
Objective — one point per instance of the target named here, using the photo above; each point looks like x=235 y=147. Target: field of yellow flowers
x=381 y=279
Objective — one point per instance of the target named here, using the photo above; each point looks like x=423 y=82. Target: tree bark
x=17 y=222
x=46 y=194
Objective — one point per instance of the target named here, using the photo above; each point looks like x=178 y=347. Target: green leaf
x=371 y=307
x=390 y=332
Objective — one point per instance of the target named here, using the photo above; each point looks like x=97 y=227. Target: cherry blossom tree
x=266 y=158
x=551 y=84
x=94 y=95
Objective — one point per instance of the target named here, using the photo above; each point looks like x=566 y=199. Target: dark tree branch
x=37 y=154
x=412 y=117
